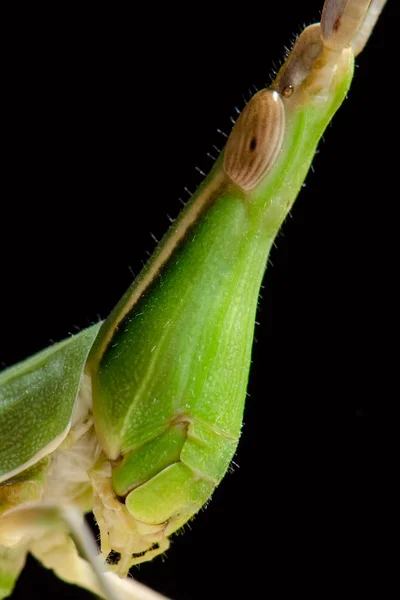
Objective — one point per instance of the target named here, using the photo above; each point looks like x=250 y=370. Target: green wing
x=36 y=401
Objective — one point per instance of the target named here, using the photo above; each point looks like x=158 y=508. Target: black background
x=106 y=115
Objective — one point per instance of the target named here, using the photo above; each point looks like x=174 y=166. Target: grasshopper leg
x=12 y=561
x=60 y=539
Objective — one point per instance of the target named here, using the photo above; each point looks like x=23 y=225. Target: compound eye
x=255 y=140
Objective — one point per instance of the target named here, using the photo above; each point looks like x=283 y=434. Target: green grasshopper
x=137 y=419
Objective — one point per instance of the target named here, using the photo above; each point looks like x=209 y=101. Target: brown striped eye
x=255 y=140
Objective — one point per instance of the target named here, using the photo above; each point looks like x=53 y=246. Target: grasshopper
x=138 y=418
